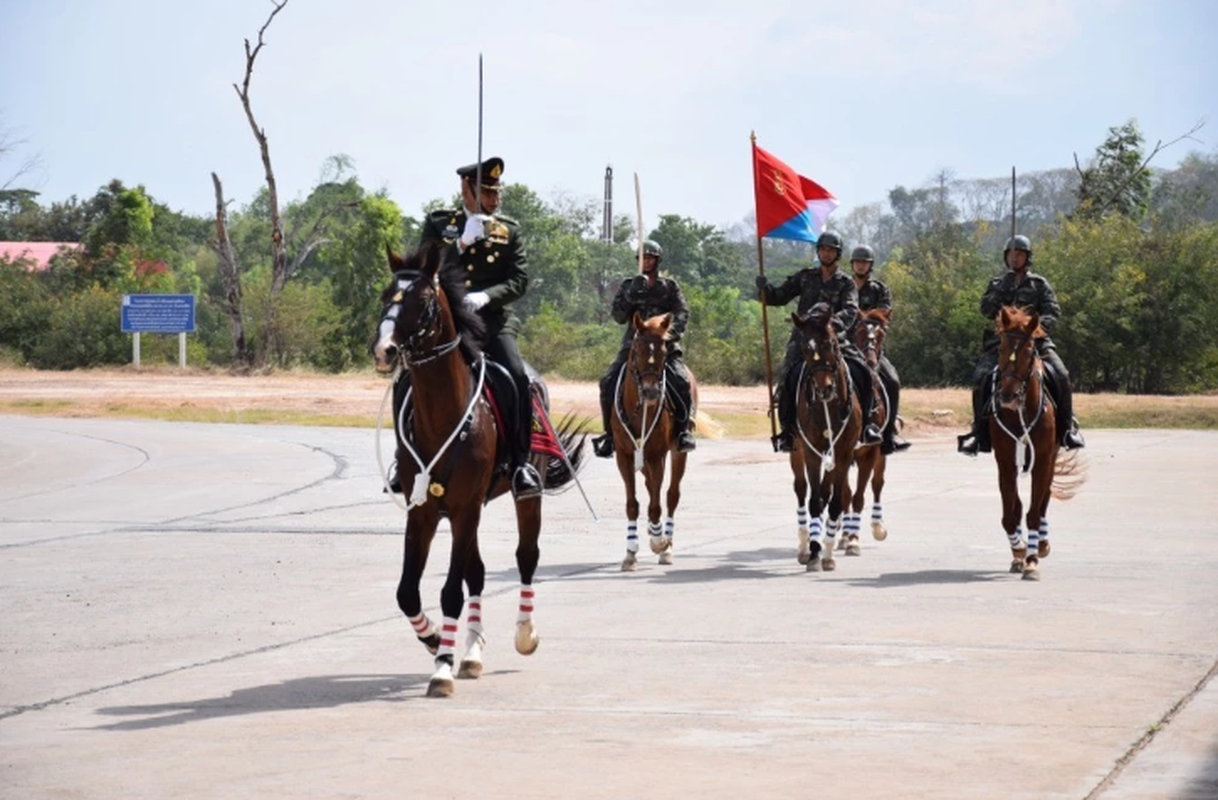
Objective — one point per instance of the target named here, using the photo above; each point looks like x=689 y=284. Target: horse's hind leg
x=420 y=529
x=528 y=554
x=475 y=638
x=653 y=478
x=1012 y=510
x=1042 y=480
x=803 y=524
x=854 y=500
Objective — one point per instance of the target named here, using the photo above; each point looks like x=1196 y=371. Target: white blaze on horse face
x=384 y=343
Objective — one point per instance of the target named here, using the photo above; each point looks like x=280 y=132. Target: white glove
x=476 y=300
x=475 y=229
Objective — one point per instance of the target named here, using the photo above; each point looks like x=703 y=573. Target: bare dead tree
x=1160 y=145
x=230 y=277
x=311 y=236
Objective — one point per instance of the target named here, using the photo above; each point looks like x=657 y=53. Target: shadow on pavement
x=890 y=580
x=325 y=691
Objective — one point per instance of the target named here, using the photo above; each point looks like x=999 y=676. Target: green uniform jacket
x=496 y=265
x=662 y=297
x=811 y=288
x=874 y=294
x=1033 y=292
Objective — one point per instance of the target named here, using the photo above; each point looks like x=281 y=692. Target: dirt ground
x=351 y=399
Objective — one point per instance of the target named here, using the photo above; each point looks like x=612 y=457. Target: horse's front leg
x=820 y=557
x=475 y=637
x=1012 y=506
x=528 y=554
x=464 y=518
x=878 y=531
x=1038 y=522
x=803 y=526
x=420 y=530
x=625 y=466
x=653 y=477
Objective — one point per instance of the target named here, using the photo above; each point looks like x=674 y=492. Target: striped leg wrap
x=877 y=512
x=668 y=528
x=473 y=621
x=801 y=516
x=422 y=626
x=1033 y=541
x=852 y=523
x=1044 y=528
x=814 y=530
x=632 y=537
x=526 y=604
x=831 y=529
x=1016 y=538
x=448 y=638
x=654 y=529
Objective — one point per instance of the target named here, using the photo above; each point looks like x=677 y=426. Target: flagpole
x=765 y=320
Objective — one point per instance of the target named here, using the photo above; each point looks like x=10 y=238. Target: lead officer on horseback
x=490 y=248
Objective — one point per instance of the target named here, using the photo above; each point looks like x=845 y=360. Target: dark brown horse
x=829 y=420
x=447 y=456
x=869 y=334
x=1023 y=430
x=644 y=434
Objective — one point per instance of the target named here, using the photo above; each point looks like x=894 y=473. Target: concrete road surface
x=207 y=611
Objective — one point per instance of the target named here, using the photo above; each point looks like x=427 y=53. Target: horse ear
x=637 y=321
x=797 y=320
x=395 y=261
x=432 y=258
x=666 y=322
x=885 y=314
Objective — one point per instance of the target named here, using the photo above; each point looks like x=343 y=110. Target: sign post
x=158 y=313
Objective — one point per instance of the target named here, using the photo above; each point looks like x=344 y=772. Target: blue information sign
x=158 y=313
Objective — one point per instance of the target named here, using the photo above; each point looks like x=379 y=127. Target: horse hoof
x=527 y=639
x=629 y=562
x=841 y=545
x=828 y=564
x=878 y=531
x=470 y=669
x=440 y=687
x=1042 y=548
x=432 y=643
x=666 y=557
x=1031 y=573
x=658 y=544
x=813 y=565
x=853 y=549
x=1016 y=566
x=802 y=554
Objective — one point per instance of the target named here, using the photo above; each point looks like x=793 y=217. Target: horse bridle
x=874 y=330
x=657 y=373
x=1004 y=372
x=418 y=348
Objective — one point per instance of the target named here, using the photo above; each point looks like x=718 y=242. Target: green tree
x=1116 y=181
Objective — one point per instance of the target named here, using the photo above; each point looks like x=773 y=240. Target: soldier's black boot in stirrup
x=685 y=442
x=526 y=482
x=784 y=442
x=603 y=445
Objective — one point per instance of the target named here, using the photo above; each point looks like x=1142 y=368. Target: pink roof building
x=38 y=254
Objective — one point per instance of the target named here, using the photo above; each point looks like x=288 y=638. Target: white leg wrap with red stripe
x=526 y=604
x=448 y=638
x=423 y=626
x=473 y=622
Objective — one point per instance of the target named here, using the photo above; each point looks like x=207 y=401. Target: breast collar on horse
x=639 y=442
x=1024 y=437
x=410 y=357
x=827 y=460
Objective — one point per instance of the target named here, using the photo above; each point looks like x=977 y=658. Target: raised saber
x=478 y=170
x=638 y=205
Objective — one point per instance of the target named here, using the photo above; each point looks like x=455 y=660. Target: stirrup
x=1073 y=440
x=685 y=442
x=784 y=442
x=968 y=444
x=526 y=482
x=872 y=435
x=393 y=483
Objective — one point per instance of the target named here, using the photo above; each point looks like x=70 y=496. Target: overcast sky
x=858 y=96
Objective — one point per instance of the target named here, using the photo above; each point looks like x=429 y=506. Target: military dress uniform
x=811 y=287
x=496 y=265
x=875 y=294
x=1035 y=292
x=663 y=296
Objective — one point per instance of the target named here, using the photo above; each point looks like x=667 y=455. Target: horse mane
x=432 y=257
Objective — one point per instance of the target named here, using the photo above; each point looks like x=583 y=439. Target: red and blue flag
x=789 y=206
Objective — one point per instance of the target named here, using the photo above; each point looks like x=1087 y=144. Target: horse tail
x=1069 y=475
x=708 y=426
x=572 y=434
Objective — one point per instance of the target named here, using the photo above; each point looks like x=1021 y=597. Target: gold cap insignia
x=495 y=172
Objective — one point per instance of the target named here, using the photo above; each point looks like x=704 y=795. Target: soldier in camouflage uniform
x=1020 y=287
x=649 y=295
x=874 y=294
x=490 y=248
x=823 y=284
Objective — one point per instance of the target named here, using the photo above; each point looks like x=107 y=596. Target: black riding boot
x=890 y=444
x=603 y=445
x=1069 y=435
x=526 y=482
x=685 y=437
x=978 y=439
x=784 y=442
x=862 y=383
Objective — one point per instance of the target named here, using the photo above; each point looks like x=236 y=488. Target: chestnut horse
x=1023 y=430
x=829 y=420
x=447 y=451
x=869 y=333
x=644 y=434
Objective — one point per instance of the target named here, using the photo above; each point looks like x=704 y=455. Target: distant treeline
x=1133 y=254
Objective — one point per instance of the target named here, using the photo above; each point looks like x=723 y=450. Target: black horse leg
x=528 y=554
x=420 y=530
